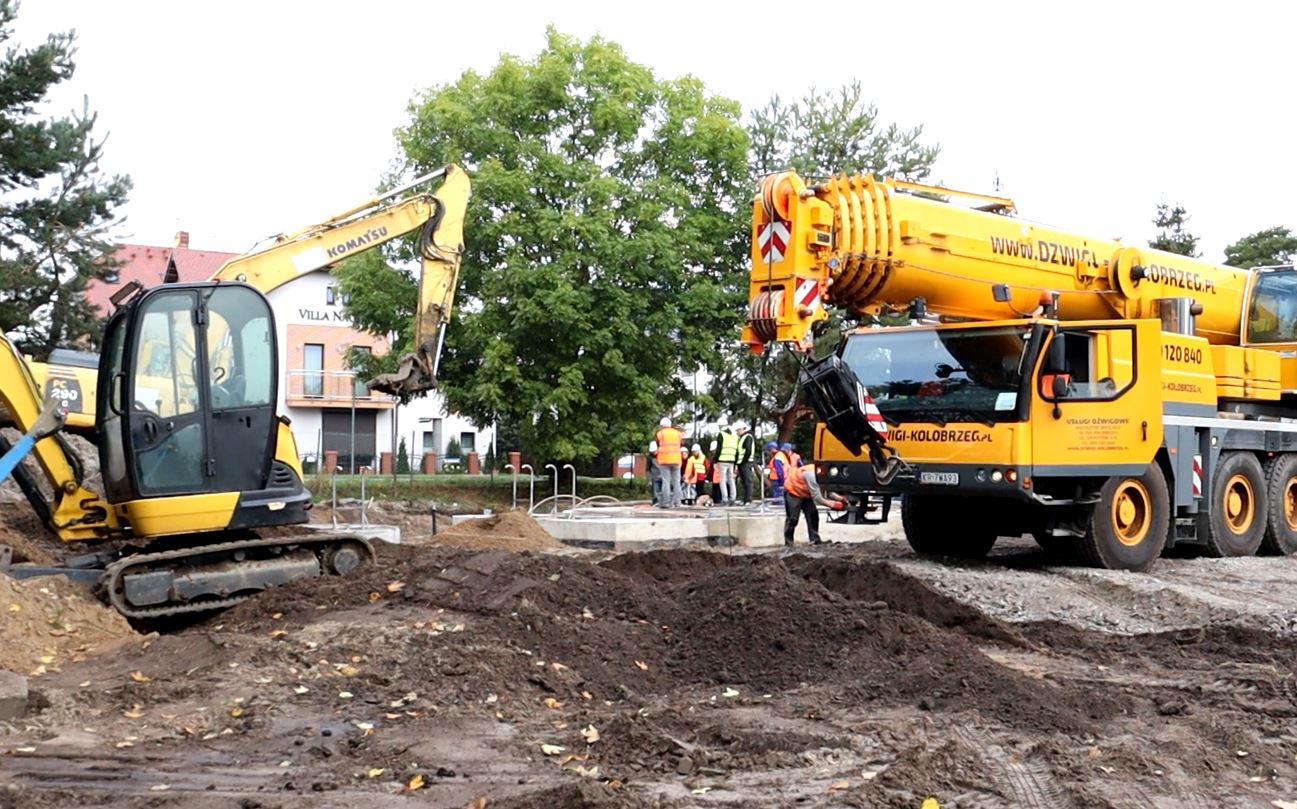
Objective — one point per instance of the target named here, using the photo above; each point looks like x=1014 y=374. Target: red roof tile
x=146 y=264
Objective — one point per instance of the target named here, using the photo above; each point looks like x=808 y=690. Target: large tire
x=1281 y=505
x=1237 y=517
x=1127 y=528
x=947 y=526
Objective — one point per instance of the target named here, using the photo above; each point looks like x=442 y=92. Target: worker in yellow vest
x=670 y=456
x=725 y=449
x=801 y=494
x=695 y=473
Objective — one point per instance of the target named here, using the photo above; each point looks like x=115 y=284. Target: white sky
x=238 y=120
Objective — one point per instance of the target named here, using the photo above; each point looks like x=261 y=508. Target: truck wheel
x=1238 y=506
x=1281 y=509
x=946 y=526
x=1127 y=528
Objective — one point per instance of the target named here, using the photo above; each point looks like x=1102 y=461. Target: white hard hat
x=695 y=448
x=665 y=422
x=740 y=427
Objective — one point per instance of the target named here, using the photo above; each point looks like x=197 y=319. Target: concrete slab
x=626 y=528
x=13 y=696
x=386 y=533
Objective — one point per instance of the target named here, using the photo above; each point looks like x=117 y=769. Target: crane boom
x=864 y=244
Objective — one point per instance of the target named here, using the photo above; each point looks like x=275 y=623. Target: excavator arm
x=75 y=512
x=439 y=218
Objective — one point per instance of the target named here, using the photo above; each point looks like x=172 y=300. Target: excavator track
x=219 y=576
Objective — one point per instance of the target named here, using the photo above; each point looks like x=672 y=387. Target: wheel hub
x=1130 y=512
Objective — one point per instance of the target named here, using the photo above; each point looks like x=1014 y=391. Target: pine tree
x=55 y=206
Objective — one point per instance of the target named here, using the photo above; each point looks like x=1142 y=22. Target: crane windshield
x=941 y=375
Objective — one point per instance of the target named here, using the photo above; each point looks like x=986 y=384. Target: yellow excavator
x=194 y=458
x=1114 y=399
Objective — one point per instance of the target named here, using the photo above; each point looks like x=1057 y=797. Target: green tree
x=55 y=207
x=1171 y=222
x=605 y=241
x=402 y=458
x=380 y=299
x=1265 y=248
x=822 y=134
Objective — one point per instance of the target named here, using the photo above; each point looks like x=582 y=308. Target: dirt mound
x=753 y=623
x=668 y=565
x=509 y=531
x=49 y=620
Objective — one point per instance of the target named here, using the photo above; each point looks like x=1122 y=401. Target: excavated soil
x=49 y=621
x=858 y=676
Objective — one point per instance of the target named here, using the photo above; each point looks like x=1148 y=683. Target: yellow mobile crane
x=1116 y=399
x=193 y=455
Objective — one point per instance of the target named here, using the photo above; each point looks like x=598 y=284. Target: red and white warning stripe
x=772 y=238
x=872 y=414
x=808 y=293
x=1197 y=476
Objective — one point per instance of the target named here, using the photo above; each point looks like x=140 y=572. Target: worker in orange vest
x=775 y=467
x=801 y=494
x=669 y=451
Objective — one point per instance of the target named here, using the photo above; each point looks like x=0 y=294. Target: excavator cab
x=186 y=412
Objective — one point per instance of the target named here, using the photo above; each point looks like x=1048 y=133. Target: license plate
x=940 y=478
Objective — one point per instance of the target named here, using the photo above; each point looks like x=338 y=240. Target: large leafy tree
x=55 y=206
x=1262 y=249
x=1173 y=236
x=605 y=241
x=821 y=134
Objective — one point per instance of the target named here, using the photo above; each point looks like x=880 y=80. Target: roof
x=147 y=264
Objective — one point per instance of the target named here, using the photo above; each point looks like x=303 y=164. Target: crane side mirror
x=1059 y=385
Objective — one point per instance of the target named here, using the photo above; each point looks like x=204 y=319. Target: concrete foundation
x=628 y=528
x=386 y=533
x=13 y=696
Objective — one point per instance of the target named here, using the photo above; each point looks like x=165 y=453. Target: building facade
x=330 y=409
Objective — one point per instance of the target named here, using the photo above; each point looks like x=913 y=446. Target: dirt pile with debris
x=489 y=678
x=49 y=621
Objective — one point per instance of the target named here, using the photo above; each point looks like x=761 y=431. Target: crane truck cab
x=1112 y=400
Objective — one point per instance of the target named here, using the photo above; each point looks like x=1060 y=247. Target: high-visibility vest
x=694 y=468
x=795 y=460
x=669 y=443
x=775 y=471
x=795 y=482
x=729 y=448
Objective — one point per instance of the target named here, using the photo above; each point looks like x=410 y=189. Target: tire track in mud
x=209 y=773
x=1025 y=784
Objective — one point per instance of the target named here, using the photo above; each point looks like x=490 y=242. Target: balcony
x=332 y=389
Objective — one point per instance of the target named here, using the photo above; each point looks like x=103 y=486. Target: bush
x=453 y=449
x=402 y=459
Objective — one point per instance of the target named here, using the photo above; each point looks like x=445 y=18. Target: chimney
x=182 y=239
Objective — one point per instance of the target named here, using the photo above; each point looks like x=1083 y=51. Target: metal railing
x=332 y=387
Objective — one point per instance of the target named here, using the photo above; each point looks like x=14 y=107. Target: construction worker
x=726 y=448
x=669 y=441
x=790 y=452
x=655 y=479
x=695 y=473
x=801 y=494
x=747 y=460
x=776 y=463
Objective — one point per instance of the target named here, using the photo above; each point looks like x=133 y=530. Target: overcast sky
x=238 y=120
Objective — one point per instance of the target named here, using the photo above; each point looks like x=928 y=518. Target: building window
x=313 y=364
x=359 y=388
x=467 y=443
x=334 y=296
